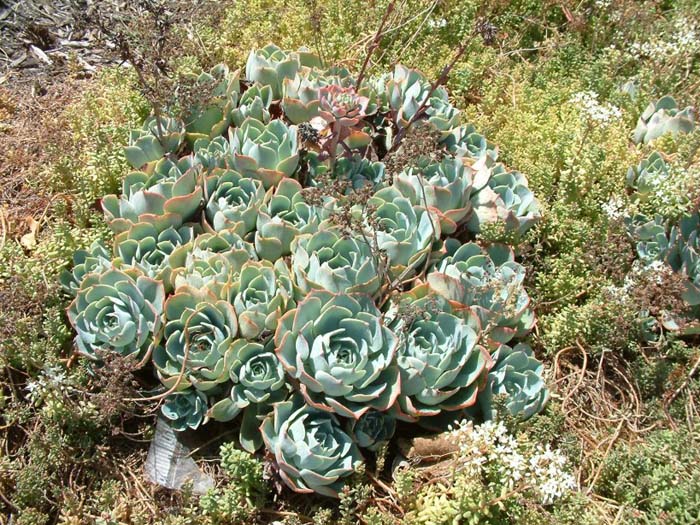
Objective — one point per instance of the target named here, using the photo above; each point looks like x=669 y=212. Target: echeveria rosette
x=265 y=152
x=405 y=232
x=648 y=175
x=117 y=311
x=312 y=451
x=343 y=109
x=337 y=348
x=445 y=187
x=661 y=117
x=97 y=259
x=157 y=137
x=284 y=216
x=254 y=103
x=373 y=430
x=199 y=332
x=464 y=141
x=167 y=197
x=262 y=293
x=329 y=260
x=505 y=198
x=355 y=171
x=270 y=66
x=211 y=118
x=517 y=374
x=234 y=201
x=300 y=98
x=257 y=382
x=186 y=409
x=213 y=153
x=145 y=248
x=651 y=237
x=490 y=283
x=442 y=366
x=685 y=255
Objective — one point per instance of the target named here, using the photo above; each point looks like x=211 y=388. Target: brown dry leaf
x=28 y=240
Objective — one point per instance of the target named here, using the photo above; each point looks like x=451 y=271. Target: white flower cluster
x=657 y=270
x=587 y=101
x=684 y=40
x=614 y=208
x=490 y=448
x=52 y=380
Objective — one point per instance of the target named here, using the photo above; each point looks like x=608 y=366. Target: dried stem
x=375 y=42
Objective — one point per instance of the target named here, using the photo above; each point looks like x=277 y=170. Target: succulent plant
x=117 y=311
x=265 y=152
x=648 y=175
x=661 y=117
x=442 y=366
x=262 y=293
x=464 y=141
x=651 y=237
x=490 y=283
x=300 y=98
x=342 y=109
x=311 y=450
x=258 y=381
x=270 y=66
x=685 y=255
x=254 y=103
x=168 y=197
x=338 y=349
x=234 y=201
x=145 y=248
x=95 y=260
x=185 y=409
x=199 y=332
x=517 y=374
x=328 y=260
x=444 y=187
x=506 y=198
x=156 y=138
x=214 y=153
x=404 y=231
x=211 y=118
x=373 y=430
x=285 y=216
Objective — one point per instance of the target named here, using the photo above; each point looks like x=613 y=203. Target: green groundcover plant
x=298 y=252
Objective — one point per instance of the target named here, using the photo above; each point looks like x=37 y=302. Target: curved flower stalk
x=327 y=260
x=341 y=354
x=270 y=66
x=505 y=198
x=234 y=201
x=185 y=409
x=442 y=366
x=145 y=248
x=404 y=231
x=156 y=138
x=445 y=187
x=262 y=293
x=373 y=430
x=258 y=381
x=490 y=283
x=312 y=451
x=285 y=216
x=661 y=117
x=117 y=311
x=254 y=103
x=464 y=141
x=265 y=152
x=517 y=374
x=168 y=197
x=95 y=260
x=210 y=119
x=199 y=333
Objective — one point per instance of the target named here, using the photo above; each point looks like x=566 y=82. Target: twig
x=599 y=469
x=680 y=389
x=375 y=43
